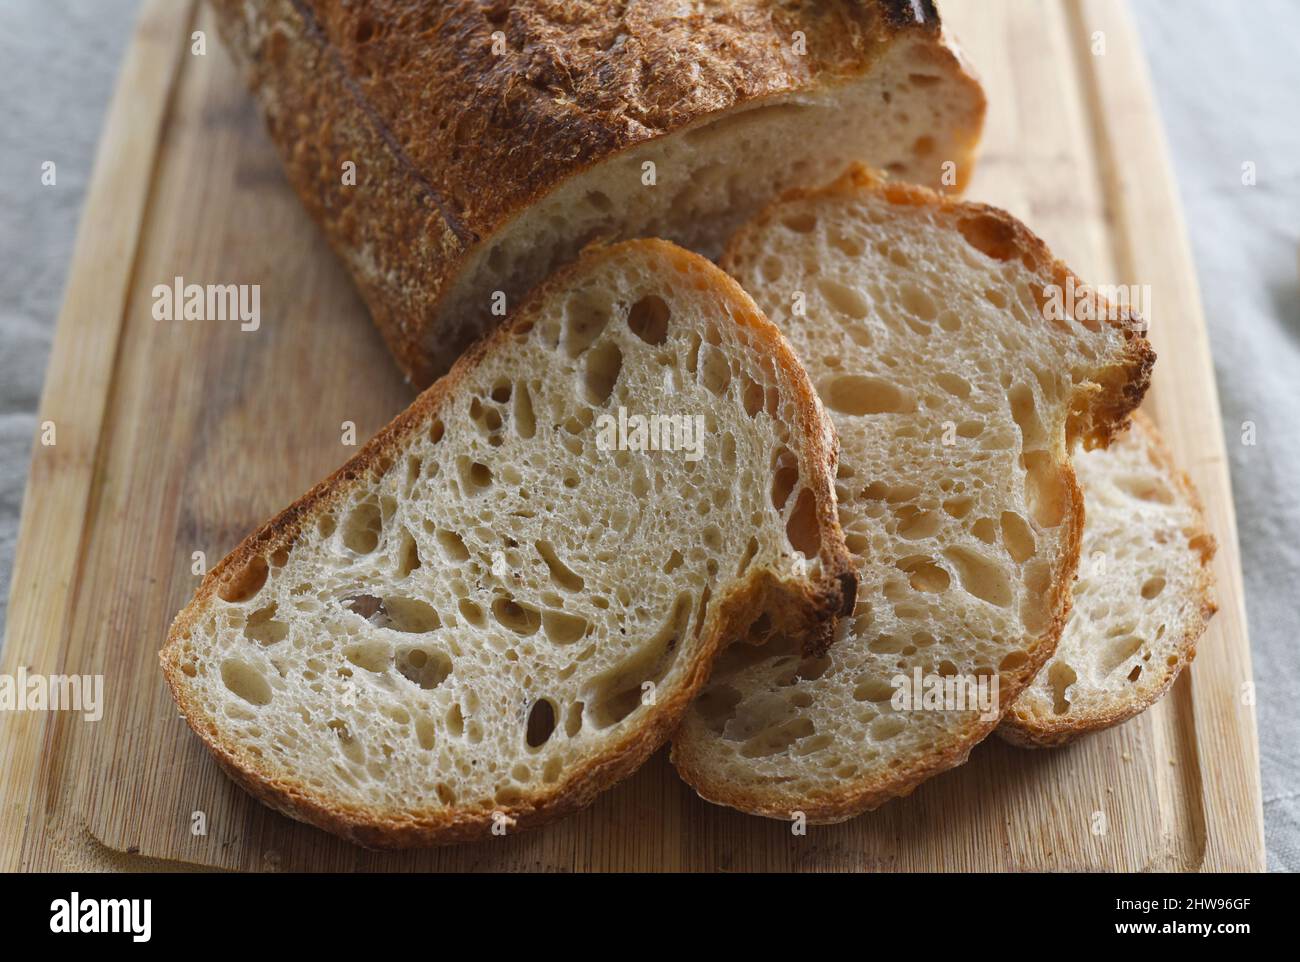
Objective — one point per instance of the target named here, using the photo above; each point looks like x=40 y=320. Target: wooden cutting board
x=176 y=437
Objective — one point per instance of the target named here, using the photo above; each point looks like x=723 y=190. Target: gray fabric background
x=1227 y=77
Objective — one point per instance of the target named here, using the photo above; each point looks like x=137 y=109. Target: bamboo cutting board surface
x=177 y=437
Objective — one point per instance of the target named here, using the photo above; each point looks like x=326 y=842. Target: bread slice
x=491 y=142
x=499 y=607
x=957 y=400
x=1144 y=595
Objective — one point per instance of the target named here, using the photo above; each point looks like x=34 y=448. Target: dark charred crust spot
x=910 y=14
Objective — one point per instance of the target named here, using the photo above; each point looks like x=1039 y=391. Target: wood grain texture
x=182 y=436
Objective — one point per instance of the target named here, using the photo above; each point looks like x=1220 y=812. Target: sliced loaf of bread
x=507 y=599
x=489 y=142
x=1144 y=595
x=926 y=326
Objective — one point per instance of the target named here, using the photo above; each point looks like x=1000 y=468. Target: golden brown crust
x=805 y=605
x=461 y=114
x=1034 y=731
x=1095 y=421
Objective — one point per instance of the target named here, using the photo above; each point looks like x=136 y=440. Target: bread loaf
x=958 y=396
x=457 y=151
x=1142 y=599
x=502 y=604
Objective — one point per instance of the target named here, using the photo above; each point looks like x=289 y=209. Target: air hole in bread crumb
x=777 y=739
x=1014 y=660
x=374 y=656
x=425 y=733
x=525 y=421
x=979 y=576
x=1045 y=491
x=872 y=689
x=409 y=615
x=785 y=476
x=885 y=727
x=1017 y=537
x=1144 y=489
x=452 y=545
x=471 y=612
x=573 y=720
x=1152 y=587
x=561 y=574
x=562 y=628
x=456 y=720
x=519 y=618
x=263 y=629
x=801 y=222
x=408 y=555
x=600 y=201
x=856 y=394
x=843 y=299
x=621 y=690
x=365 y=30
x=957 y=386
x=985 y=529
x=991 y=236
x=886 y=644
x=924 y=574
x=475 y=476
x=751 y=550
x=541 y=723
x=351 y=747
x=1204 y=545
x=245 y=681
x=1117 y=652
x=363 y=526
x=715 y=372
x=586 y=315
x=802 y=529
x=601 y=372
x=1060 y=677
x=920 y=305
x=246 y=582
x=958 y=507
x=648 y=319
x=1023 y=411
x=916 y=524
x=717 y=706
